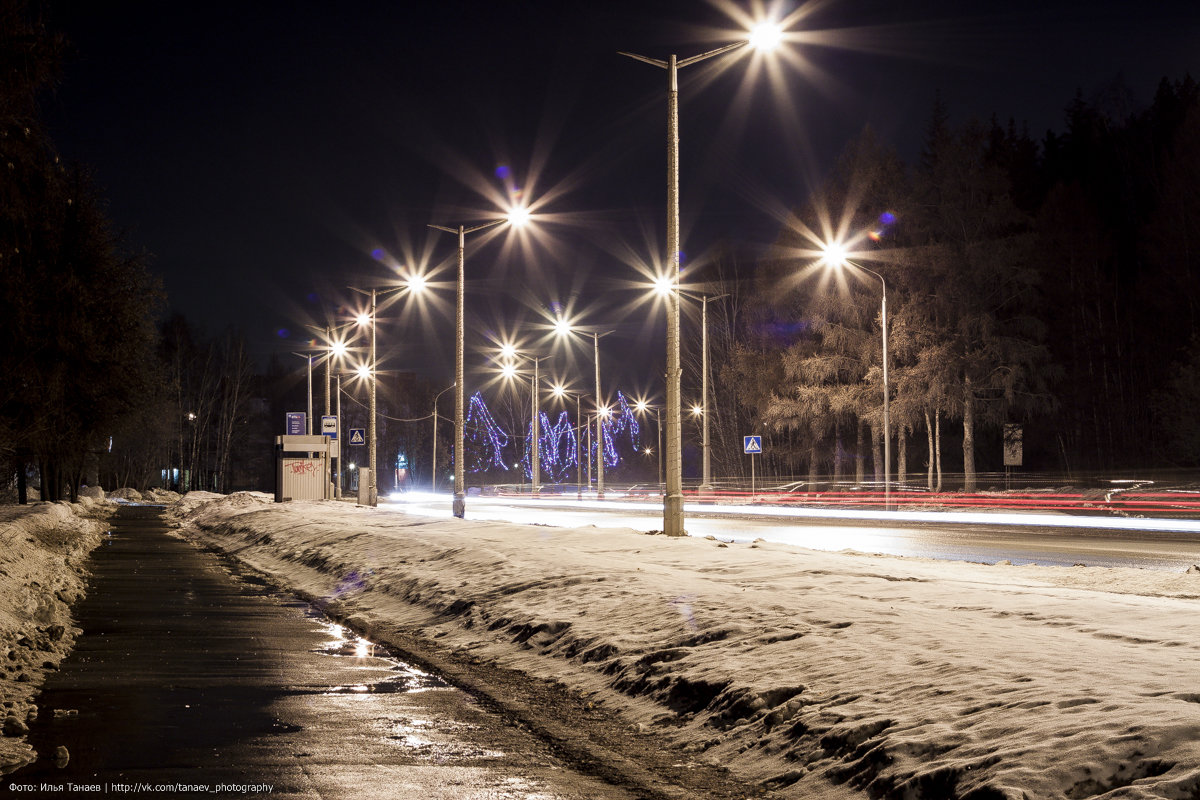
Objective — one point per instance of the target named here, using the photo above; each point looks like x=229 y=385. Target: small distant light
x=338 y=349
x=697 y=411
x=363 y=319
x=663 y=285
x=363 y=371
x=417 y=283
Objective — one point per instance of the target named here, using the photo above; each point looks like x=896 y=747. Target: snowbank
x=43 y=550
x=813 y=674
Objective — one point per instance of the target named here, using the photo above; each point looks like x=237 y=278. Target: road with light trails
x=1049 y=539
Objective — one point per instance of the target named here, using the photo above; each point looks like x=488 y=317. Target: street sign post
x=752 y=446
x=295 y=423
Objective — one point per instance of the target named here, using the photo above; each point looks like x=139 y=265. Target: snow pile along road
x=43 y=553
x=809 y=673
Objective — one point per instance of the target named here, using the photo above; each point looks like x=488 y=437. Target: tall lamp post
x=433 y=471
x=673 y=498
x=706 y=479
x=515 y=217
x=371 y=371
x=563 y=328
x=535 y=464
x=836 y=255
x=559 y=391
x=642 y=407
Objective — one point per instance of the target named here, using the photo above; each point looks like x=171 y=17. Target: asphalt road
x=191 y=679
x=1021 y=538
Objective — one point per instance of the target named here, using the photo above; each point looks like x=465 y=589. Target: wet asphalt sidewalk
x=190 y=679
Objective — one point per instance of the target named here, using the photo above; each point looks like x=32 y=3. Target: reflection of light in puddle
x=410 y=734
x=345 y=642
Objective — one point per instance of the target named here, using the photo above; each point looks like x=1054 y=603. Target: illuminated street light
x=558 y=391
x=642 y=407
x=336 y=349
x=516 y=217
x=510 y=371
x=673 y=498
x=706 y=473
x=562 y=328
x=766 y=36
x=371 y=371
x=836 y=255
x=433 y=471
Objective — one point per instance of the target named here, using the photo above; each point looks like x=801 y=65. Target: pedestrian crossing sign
x=752 y=444
x=358 y=436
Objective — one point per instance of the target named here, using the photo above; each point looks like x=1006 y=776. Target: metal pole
x=887 y=434
x=578 y=436
x=460 y=489
x=534 y=464
x=706 y=479
x=599 y=423
x=341 y=443
x=328 y=367
x=372 y=484
x=433 y=471
x=308 y=421
x=658 y=424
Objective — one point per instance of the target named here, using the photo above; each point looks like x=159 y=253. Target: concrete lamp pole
x=836 y=255
x=433 y=471
x=673 y=498
x=460 y=489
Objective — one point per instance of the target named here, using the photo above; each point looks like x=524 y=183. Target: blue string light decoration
x=620 y=425
x=485 y=440
x=557 y=443
x=556 y=449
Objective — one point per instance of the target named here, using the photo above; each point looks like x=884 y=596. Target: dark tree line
x=1050 y=284
x=92 y=390
x=77 y=330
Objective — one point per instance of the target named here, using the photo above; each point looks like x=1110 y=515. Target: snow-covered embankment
x=43 y=554
x=813 y=674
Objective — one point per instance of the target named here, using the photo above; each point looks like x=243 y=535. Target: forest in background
x=1049 y=283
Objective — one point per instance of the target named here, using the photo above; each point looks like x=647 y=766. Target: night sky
x=268 y=155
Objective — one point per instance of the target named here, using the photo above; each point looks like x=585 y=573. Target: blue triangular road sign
x=752 y=444
x=358 y=436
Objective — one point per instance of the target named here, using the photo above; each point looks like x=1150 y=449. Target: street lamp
x=516 y=217
x=641 y=407
x=371 y=371
x=706 y=479
x=336 y=348
x=535 y=464
x=433 y=471
x=673 y=498
x=559 y=391
x=835 y=254
x=563 y=328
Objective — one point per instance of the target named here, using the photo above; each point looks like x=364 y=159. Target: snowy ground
x=43 y=554
x=813 y=674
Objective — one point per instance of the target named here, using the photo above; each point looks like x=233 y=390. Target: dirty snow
x=814 y=674
x=43 y=553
